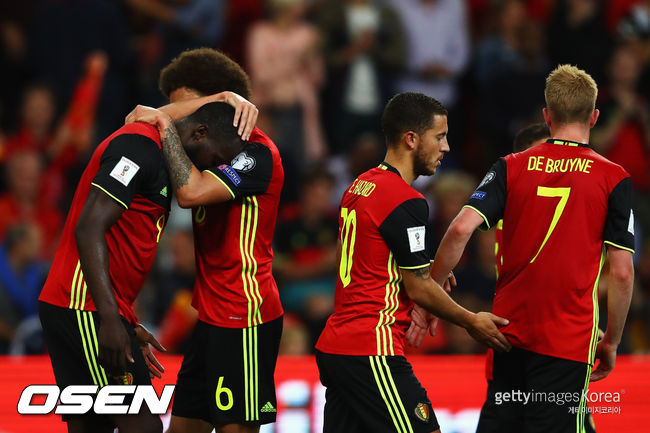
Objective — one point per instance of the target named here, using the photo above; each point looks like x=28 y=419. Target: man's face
x=196 y=143
x=431 y=147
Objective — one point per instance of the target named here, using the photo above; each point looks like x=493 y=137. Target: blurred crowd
x=321 y=72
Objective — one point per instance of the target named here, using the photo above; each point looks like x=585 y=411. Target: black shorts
x=533 y=393
x=227 y=374
x=71 y=339
x=373 y=393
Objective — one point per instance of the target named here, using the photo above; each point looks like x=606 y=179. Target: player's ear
x=547 y=117
x=594 y=117
x=411 y=139
x=200 y=133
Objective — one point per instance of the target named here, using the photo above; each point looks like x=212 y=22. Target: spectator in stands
x=173 y=313
x=634 y=29
x=305 y=253
x=22 y=275
x=24 y=203
x=364 y=153
x=577 y=35
x=64 y=33
x=286 y=70
x=437 y=46
x=364 y=50
x=510 y=70
x=61 y=145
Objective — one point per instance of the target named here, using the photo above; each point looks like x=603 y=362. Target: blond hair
x=570 y=94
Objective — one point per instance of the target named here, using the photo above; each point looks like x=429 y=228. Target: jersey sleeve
x=404 y=231
x=127 y=164
x=619 y=224
x=249 y=173
x=489 y=199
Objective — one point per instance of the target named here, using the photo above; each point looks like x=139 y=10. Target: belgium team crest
x=422 y=412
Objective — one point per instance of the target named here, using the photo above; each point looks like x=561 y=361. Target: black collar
x=567 y=143
x=386 y=166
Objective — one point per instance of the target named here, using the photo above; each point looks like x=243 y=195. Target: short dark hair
x=206 y=71
x=530 y=134
x=218 y=117
x=409 y=112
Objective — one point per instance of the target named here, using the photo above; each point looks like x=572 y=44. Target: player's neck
x=403 y=164
x=571 y=132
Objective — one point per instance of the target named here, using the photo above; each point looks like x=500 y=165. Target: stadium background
x=321 y=72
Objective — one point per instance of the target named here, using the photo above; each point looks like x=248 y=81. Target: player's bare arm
x=191 y=186
x=245 y=111
x=422 y=321
x=428 y=294
x=99 y=213
x=453 y=243
x=619 y=295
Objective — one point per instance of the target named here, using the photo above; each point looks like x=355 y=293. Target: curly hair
x=206 y=71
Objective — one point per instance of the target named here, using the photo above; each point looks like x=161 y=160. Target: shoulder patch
x=489 y=177
x=243 y=162
x=416 y=238
x=479 y=195
x=232 y=174
x=124 y=171
x=630 y=224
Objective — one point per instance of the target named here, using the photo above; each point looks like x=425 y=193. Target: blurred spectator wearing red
x=23 y=201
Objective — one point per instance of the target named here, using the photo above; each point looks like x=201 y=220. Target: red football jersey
x=561 y=202
x=381 y=230
x=233 y=240
x=129 y=167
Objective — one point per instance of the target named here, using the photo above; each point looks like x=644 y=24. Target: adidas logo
x=163 y=192
x=268 y=407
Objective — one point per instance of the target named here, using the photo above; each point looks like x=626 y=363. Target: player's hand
x=245 y=112
x=150 y=115
x=484 y=328
x=421 y=322
x=145 y=339
x=606 y=355
x=114 y=347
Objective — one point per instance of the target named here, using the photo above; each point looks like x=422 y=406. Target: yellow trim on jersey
x=388 y=391
x=415 y=267
x=487 y=224
x=247 y=231
x=110 y=195
x=78 y=289
x=383 y=331
x=74 y=284
x=256 y=287
x=595 y=314
x=224 y=183
x=564 y=143
x=619 y=246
